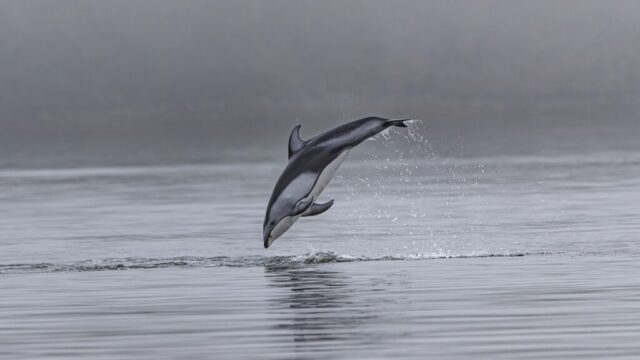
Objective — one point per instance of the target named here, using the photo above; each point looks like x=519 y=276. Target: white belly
x=326 y=175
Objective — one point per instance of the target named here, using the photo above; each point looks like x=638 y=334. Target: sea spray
x=398 y=185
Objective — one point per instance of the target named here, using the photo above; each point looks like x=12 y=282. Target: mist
x=166 y=77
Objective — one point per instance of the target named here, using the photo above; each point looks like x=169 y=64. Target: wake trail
x=320 y=257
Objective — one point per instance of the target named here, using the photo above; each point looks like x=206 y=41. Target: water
x=420 y=257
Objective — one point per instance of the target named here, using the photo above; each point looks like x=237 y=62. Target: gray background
x=112 y=80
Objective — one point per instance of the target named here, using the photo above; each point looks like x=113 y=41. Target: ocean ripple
x=318 y=257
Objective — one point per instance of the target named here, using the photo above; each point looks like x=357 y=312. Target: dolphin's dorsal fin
x=317 y=209
x=295 y=142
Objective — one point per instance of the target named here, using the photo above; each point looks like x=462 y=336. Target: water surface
x=420 y=257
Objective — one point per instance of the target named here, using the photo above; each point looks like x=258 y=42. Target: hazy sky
x=157 y=71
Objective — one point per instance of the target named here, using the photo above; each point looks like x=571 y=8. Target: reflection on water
x=497 y=308
x=318 y=307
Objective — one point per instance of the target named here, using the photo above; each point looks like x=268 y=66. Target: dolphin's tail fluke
x=398 y=123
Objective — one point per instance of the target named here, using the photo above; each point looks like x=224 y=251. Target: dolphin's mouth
x=280 y=228
x=268 y=241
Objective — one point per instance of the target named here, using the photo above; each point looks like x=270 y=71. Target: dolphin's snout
x=267 y=233
x=266 y=237
x=269 y=240
x=274 y=229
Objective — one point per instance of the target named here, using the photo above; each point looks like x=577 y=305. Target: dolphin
x=312 y=165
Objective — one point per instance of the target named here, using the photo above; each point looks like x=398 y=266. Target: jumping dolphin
x=312 y=164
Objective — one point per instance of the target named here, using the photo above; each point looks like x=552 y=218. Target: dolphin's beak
x=267 y=239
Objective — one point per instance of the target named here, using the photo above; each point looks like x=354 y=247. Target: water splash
x=312 y=258
x=403 y=182
x=392 y=170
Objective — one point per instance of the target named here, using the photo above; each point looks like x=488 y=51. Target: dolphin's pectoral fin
x=295 y=142
x=302 y=206
x=317 y=209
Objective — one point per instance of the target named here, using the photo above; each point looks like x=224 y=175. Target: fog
x=166 y=76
